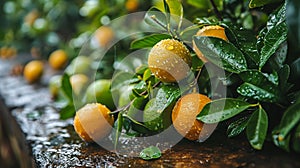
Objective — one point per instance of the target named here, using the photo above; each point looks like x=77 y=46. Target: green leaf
x=135 y=110
x=150 y=153
x=147 y=74
x=188 y=33
x=148 y=41
x=155 y=18
x=292 y=20
x=257 y=128
x=66 y=87
x=236 y=127
x=284 y=74
x=167 y=95
x=245 y=40
x=266 y=93
x=67 y=112
x=296 y=139
x=259 y=3
x=141 y=69
x=204 y=5
x=289 y=120
x=295 y=70
x=222 y=109
x=139 y=88
x=278 y=141
x=154 y=118
x=119 y=125
x=176 y=11
x=136 y=125
x=260 y=39
x=122 y=79
x=201 y=4
x=221 y=53
x=273 y=39
x=278 y=59
x=277 y=17
x=258 y=78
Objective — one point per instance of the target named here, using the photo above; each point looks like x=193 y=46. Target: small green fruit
x=99 y=91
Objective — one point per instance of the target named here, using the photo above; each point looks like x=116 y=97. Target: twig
x=216 y=10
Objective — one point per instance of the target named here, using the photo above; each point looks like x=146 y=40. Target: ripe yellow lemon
x=58 y=59
x=210 y=31
x=184 y=115
x=104 y=35
x=93 y=122
x=169 y=60
x=132 y=5
x=33 y=71
x=78 y=82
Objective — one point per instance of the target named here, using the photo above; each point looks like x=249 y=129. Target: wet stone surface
x=54 y=143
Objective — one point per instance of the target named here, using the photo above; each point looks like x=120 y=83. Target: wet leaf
x=257 y=127
x=222 y=109
x=265 y=93
x=221 y=53
x=155 y=18
x=273 y=39
x=236 y=127
x=139 y=88
x=148 y=41
x=245 y=40
x=155 y=119
x=258 y=78
x=167 y=95
x=260 y=39
x=289 y=120
x=150 y=153
x=278 y=59
x=277 y=17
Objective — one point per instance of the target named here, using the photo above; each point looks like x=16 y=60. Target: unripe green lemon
x=80 y=64
x=99 y=91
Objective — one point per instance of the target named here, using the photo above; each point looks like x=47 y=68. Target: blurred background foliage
x=41 y=26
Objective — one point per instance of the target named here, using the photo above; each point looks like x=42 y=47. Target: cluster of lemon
x=7 y=52
x=34 y=69
x=169 y=61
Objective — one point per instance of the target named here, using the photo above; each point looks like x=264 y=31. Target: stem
x=129 y=104
x=158 y=22
x=219 y=16
x=122 y=108
x=196 y=79
x=168 y=29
